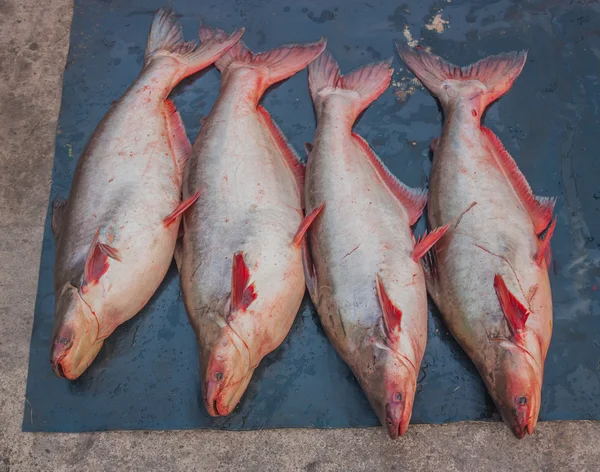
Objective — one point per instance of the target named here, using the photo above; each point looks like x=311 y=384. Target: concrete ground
x=34 y=38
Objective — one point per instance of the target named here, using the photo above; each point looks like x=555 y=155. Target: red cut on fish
x=116 y=233
x=489 y=277
x=241 y=261
x=363 y=270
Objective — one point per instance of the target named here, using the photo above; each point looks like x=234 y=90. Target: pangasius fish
x=489 y=277
x=364 y=275
x=116 y=233
x=241 y=261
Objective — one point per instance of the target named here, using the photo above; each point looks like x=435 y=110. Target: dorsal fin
x=180 y=209
x=290 y=156
x=413 y=200
x=539 y=208
x=306 y=222
x=426 y=242
x=242 y=291
x=544 y=252
x=515 y=312
x=392 y=315
x=178 y=140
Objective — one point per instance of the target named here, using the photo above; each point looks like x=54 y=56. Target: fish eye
x=398 y=397
x=522 y=401
x=219 y=376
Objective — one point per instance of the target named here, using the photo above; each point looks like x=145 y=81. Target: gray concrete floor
x=34 y=38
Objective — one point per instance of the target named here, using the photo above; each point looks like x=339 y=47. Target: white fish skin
x=490 y=275
x=113 y=246
x=362 y=246
x=249 y=209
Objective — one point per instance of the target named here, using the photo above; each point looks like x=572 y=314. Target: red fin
x=429 y=256
x=178 y=140
x=109 y=251
x=515 y=312
x=426 y=241
x=497 y=73
x=369 y=82
x=544 y=252
x=290 y=157
x=306 y=222
x=242 y=292
x=96 y=263
x=413 y=200
x=166 y=38
x=434 y=144
x=392 y=315
x=281 y=62
x=180 y=210
x=539 y=208
x=310 y=274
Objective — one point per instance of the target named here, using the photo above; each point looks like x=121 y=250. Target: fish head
x=517 y=385
x=227 y=373
x=400 y=389
x=75 y=335
x=389 y=381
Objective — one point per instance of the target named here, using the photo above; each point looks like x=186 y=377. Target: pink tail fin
x=497 y=73
x=369 y=82
x=166 y=39
x=281 y=62
x=539 y=208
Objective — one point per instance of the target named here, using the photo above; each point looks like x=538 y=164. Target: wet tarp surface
x=146 y=376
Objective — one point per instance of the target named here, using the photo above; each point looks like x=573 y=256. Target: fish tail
x=166 y=39
x=369 y=82
x=495 y=73
x=281 y=62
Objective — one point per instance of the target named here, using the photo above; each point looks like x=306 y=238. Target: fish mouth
x=211 y=398
x=393 y=430
x=394 y=422
x=521 y=429
x=520 y=432
x=57 y=366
